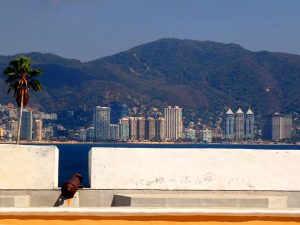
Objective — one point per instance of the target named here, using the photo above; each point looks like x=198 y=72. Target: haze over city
x=91 y=29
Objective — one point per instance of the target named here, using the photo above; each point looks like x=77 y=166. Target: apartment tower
x=249 y=125
x=229 y=125
x=174 y=125
x=101 y=120
x=239 y=125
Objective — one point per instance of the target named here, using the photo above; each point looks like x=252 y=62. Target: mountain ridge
x=198 y=75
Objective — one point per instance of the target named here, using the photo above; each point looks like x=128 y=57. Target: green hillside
x=193 y=74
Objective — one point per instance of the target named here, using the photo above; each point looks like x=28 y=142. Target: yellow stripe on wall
x=145 y=220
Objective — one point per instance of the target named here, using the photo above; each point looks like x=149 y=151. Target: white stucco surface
x=28 y=167
x=194 y=169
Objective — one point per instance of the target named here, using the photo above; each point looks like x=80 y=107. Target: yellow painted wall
x=153 y=220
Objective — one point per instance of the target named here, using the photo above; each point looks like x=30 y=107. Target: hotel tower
x=173 y=117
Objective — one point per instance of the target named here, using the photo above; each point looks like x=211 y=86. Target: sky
x=90 y=29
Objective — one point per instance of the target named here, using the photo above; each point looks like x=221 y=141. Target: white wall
x=28 y=167
x=194 y=169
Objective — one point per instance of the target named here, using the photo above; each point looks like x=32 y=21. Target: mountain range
x=196 y=75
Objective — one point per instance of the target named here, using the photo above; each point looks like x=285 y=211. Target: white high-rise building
x=124 y=129
x=90 y=134
x=82 y=135
x=229 y=125
x=101 y=120
x=38 y=130
x=114 y=132
x=249 y=124
x=13 y=128
x=239 y=125
x=174 y=125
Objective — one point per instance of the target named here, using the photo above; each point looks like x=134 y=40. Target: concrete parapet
x=194 y=169
x=200 y=200
x=28 y=166
x=19 y=201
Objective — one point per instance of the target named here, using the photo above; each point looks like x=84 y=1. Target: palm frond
x=20 y=77
x=35 y=73
x=35 y=85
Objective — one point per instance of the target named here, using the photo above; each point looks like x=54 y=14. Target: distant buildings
x=82 y=135
x=174 y=124
x=133 y=128
x=101 y=121
x=114 y=132
x=160 y=129
x=124 y=129
x=229 y=125
x=166 y=125
x=38 y=130
x=238 y=126
x=150 y=128
x=13 y=128
x=141 y=128
x=249 y=125
x=26 y=126
x=190 y=134
x=90 y=134
x=206 y=135
x=277 y=127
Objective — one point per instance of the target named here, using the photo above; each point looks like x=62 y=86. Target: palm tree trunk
x=20 y=119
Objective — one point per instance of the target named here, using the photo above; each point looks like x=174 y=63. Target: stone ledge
x=125 y=211
x=200 y=200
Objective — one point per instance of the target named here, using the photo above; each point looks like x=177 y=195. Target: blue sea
x=73 y=158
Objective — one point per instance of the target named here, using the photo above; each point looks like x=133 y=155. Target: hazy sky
x=90 y=29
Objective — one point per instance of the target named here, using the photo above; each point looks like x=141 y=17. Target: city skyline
x=165 y=126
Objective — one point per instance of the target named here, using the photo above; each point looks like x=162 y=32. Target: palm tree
x=20 y=78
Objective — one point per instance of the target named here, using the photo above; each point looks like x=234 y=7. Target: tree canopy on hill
x=192 y=74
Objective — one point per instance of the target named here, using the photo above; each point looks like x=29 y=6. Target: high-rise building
x=277 y=127
x=114 y=132
x=239 y=125
x=13 y=128
x=206 y=135
x=90 y=134
x=229 y=125
x=286 y=127
x=26 y=126
x=118 y=111
x=150 y=129
x=124 y=129
x=82 y=135
x=174 y=125
x=38 y=130
x=267 y=127
x=133 y=128
x=101 y=120
x=249 y=125
x=141 y=128
x=160 y=129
